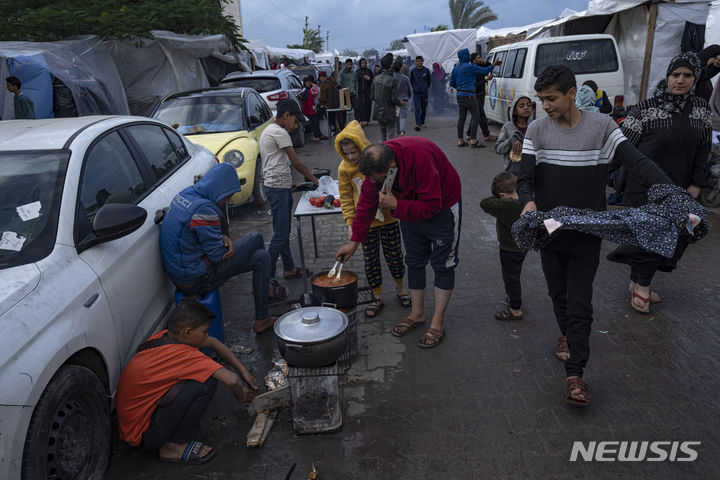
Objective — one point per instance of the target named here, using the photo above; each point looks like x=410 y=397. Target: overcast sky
x=363 y=24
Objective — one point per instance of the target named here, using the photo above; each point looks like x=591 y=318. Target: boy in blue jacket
x=197 y=254
x=463 y=80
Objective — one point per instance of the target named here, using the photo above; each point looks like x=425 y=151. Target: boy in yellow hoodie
x=384 y=230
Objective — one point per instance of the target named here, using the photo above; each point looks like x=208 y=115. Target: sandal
x=297 y=273
x=562 y=352
x=191 y=455
x=577 y=393
x=405 y=300
x=431 y=338
x=404 y=327
x=507 y=314
x=463 y=144
x=654 y=297
x=374 y=309
x=261 y=325
x=645 y=307
x=276 y=292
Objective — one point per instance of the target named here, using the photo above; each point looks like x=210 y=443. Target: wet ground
x=488 y=403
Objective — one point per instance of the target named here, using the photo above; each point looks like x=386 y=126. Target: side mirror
x=113 y=221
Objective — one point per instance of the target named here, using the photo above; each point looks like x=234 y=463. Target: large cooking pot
x=312 y=336
x=343 y=294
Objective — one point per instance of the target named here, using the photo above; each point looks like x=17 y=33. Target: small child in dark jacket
x=505 y=207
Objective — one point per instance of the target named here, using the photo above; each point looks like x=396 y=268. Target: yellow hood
x=354 y=132
x=216 y=141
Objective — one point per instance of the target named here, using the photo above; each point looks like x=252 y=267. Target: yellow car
x=228 y=122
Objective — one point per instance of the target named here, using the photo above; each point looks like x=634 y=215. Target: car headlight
x=234 y=158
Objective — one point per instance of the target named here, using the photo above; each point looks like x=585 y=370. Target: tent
x=151 y=69
x=64 y=78
x=712 y=24
x=442 y=46
x=648 y=34
x=297 y=55
x=258 y=50
x=484 y=35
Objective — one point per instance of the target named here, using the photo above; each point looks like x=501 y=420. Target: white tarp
x=299 y=55
x=629 y=27
x=442 y=46
x=258 y=50
x=163 y=65
x=483 y=34
x=326 y=57
x=712 y=25
x=83 y=65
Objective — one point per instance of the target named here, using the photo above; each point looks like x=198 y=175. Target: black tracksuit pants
x=569 y=263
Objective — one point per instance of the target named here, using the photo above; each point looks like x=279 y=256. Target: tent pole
x=649 y=42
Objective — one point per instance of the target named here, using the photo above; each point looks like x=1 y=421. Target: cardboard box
x=345 y=99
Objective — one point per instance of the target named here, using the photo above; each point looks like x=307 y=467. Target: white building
x=232 y=8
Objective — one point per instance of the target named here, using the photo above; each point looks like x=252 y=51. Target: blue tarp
x=36 y=82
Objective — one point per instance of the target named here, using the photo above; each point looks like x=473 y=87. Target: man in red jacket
x=425 y=197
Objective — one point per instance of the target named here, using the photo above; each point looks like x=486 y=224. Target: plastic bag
x=327 y=186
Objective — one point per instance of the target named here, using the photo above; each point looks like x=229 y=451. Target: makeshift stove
x=315 y=392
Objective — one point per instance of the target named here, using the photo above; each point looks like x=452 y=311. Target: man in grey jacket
x=385 y=95
x=404 y=94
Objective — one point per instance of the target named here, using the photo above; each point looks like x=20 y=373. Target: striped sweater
x=570 y=166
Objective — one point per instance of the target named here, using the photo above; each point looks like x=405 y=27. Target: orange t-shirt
x=148 y=376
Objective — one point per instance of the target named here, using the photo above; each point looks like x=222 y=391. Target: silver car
x=273 y=86
x=82 y=283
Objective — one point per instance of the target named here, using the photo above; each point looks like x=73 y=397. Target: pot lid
x=311 y=325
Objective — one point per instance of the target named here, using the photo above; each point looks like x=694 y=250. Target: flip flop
x=191 y=455
x=432 y=334
x=580 y=399
x=375 y=309
x=405 y=300
x=408 y=325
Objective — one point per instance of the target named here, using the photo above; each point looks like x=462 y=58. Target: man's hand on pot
x=347 y=250
x=387 y=200
x=229 y=246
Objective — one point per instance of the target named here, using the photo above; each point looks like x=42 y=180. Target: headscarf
x=438 y=72
x=656 y=112
x=585 y=99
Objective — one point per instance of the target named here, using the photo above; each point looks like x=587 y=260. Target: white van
x=592 y=57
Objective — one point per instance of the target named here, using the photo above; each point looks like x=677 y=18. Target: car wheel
x=258 y=193
x=69 y=434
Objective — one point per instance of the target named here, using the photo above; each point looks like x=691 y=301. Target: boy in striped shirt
x=566 y=160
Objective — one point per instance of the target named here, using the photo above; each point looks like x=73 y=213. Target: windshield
x=260 y=84
x=30 y=192
x=198 y=115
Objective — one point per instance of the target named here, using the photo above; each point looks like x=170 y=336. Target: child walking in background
x=510 y=141
x=505 y=207
x=384 y=231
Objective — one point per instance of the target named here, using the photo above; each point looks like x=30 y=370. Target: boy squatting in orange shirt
x=167 y=386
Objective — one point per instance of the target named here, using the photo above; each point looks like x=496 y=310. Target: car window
x=258 y=107
x=519 y=67
x=158 y=151
x=178 y=144
x=582 y=56
x=294 y=81
x=110 y=175
x=497 y=71
x=31 y=185
x=509 y=63
x=260 y=84
x=204 y=114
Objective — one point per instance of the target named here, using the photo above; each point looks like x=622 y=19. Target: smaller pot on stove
x=312 y=337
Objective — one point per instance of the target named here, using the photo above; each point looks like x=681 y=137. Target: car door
x=137 y=164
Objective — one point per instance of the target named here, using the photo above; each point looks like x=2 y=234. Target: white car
x=81 y=278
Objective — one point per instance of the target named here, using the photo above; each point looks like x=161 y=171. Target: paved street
x=488 y=403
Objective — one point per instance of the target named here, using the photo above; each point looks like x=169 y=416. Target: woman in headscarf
x=437 y=88
x=585 y=99
x=672 y=128
x=364 y=104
